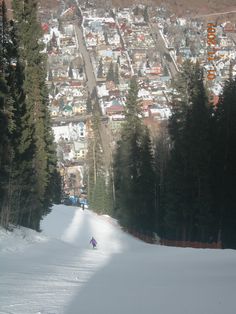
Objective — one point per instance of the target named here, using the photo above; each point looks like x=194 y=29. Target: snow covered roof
x=102 y=90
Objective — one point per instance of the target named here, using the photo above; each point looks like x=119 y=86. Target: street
x=160 y=44
x=105 y=133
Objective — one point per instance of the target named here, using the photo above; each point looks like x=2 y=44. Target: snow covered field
x=57 y=271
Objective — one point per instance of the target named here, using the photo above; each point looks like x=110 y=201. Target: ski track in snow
x=58 y=272
x=53 y=272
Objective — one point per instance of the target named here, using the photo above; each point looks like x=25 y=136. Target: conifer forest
x=28 y=173
x=179 y=184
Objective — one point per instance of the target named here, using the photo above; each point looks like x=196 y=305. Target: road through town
x=105 y=133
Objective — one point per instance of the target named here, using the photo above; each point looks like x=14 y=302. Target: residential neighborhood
x=94 y=50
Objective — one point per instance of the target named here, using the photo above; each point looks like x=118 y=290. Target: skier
x=93 y=242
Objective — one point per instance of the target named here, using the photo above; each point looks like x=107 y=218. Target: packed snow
x=58 y=272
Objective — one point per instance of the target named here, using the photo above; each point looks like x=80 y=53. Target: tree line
x=29 y=180
x=179 y=184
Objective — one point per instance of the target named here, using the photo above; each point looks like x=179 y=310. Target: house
x=110 y=85
x=115 y=110
x=110 y=22
x=158 y=112
x=146 y=103
x=79 y=108
x=229 y=27
x=154 y=70
x=91 y=39
x=67 y=110
x=80 y=149
x=138 y=56
x=102 y=91
x=45 y=27
x=114 y=93
x=114 y=39
x=54 y=111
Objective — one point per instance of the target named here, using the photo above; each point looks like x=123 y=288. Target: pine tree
x=136 y=10
x=116 y=74
x=161 y=157
x=188 y=205
x=110 y=73
x=100 y=69
x=223 y=168
x=34 y=149
x=146 y=184
x=6 y=152
x=70 y=71
x=7 y=116
x=106 y=38
x=89 y=105
x=145 y=14
x=96 y=172
x=50 y=76
x=133 y=170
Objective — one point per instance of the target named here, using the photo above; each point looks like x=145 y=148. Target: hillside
x=180 y=7
x=57 y=272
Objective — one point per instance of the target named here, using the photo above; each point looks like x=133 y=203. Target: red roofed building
x=116 y=109
x=45 y=27
x=229 y=28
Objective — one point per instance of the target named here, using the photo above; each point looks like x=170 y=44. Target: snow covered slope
x=57 y=271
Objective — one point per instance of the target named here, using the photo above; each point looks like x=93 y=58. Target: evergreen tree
x=110 y=73
x=161 y=157
x=136 y=10
x=89 y=105
x=100 y=69
x=34 y=149
x=97 y=189
x=106 y=37
x=70 y=71
x=165 y=71
x=145 y=14
x=8 y=112
x=118 y=60
x=223 y=168
x=99 y=195
x=6 y=152
x=188 y=204
x=133 y=169
x=146 y=184
x=116 y=74
x=50 y=76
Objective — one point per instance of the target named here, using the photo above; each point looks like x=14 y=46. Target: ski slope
x=57 y=272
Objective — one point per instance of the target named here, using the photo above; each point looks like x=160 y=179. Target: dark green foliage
x=50 y=76
x=133 y=170
x=100 y=69
x=100 y=194
x=136 y=10
x=195 y=195
x=106 y=38
x=28 y=160
x=100 y=198
x=165 y=71
x=188 y=205
x=70 y=71
x=110 y=73
x=145 y=14
x=89 y=105
x=116 y=74
x=161 y=157
x=223 y=169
